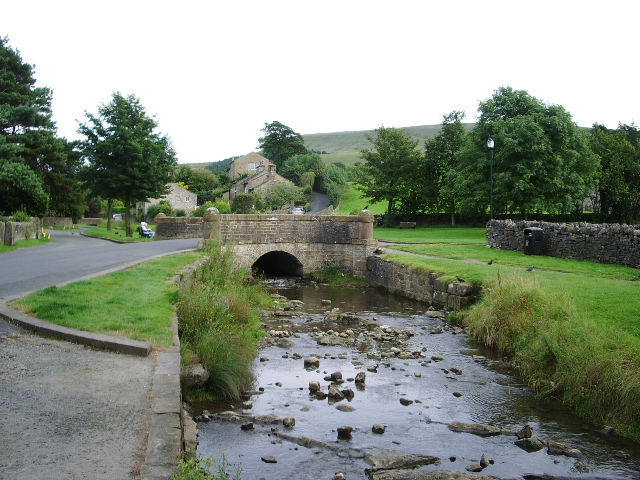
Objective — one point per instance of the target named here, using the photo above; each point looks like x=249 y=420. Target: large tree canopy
x=440 y=160
x=392 y=167
x=37 y=169
x=126 y=159
x=280 y=143
x=617 y=194
x=542 y=158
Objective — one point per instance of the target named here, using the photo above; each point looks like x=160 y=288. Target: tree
x=283 y=193
x=280 y=143
x=37 y=169
x=391 y=168
x=125 y=159
x=542 y=159
x=617 y=193
x=297 y=165
x=440 y=159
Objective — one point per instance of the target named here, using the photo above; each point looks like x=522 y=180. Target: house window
x=253 y=166
x=187 y=198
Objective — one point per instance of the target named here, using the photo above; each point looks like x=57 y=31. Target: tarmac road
x=71 y=257
x=68 y=411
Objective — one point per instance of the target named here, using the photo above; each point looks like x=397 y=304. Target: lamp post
x=491 y=144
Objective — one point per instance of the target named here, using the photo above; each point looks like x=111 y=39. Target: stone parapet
x=602 y=243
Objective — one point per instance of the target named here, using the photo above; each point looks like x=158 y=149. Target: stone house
x=261 y=175
x=179 y=197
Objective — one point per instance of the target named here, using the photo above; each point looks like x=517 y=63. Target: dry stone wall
x=602 y=243
x=64 y=222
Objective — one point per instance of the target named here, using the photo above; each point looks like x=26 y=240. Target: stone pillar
x=212 y=220
x=365 y=225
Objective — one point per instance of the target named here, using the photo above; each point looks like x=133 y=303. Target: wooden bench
x=407 y=224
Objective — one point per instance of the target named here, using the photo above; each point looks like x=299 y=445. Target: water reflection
x=482 y=392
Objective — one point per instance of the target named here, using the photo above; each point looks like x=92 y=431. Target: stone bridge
x=283 y=243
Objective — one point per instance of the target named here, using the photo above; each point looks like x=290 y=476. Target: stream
x=421 y=376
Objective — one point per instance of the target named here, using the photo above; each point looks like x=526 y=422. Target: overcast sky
x=214 y=72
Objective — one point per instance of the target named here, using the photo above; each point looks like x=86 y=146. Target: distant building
x=179 y=197
x=261 y=174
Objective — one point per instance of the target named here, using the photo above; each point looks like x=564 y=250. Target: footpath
x=78 y=405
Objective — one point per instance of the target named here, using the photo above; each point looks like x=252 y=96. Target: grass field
x=354 y=202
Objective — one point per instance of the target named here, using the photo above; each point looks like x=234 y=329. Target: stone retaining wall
x=602 y=243
x=421 y=286
x=172 y=228
x=64 y=222
x=11 y=232
x=91 y=221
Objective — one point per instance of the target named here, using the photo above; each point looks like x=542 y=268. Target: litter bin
x=533 y=237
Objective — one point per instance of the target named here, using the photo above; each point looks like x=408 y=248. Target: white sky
x=214 y=72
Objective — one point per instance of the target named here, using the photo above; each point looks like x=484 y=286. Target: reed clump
x=219 y=321
x=592 y=366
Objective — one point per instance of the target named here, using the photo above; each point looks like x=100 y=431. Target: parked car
x=117 y=216
x=298 y=211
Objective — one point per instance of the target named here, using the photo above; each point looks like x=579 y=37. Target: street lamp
x=491 y=144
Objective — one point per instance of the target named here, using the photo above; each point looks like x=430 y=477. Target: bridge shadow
x=278 y=263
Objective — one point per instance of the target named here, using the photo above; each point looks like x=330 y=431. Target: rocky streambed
x=353 y=383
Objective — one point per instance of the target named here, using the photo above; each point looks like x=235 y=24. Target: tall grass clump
x=591 y=367
x=219 y=321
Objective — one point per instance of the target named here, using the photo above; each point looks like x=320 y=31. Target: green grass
x=32 y=242
x=354 y=202
x=136 y=303
x=118 y=232
x=441 y=234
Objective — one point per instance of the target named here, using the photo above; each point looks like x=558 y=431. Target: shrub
x=20 y=216
x=163 y=206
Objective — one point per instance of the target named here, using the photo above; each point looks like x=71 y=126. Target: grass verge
x=136 y=303
x=441 y=234
x=32 y=242
x=219 y=318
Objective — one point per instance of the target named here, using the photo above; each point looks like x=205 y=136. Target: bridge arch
x=278 y=262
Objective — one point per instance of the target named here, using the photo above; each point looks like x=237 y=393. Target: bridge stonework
x=311 y=241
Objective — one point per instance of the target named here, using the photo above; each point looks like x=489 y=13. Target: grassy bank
x=136 y=303
x=32 y=242
x=572 y=328
x=219 y=319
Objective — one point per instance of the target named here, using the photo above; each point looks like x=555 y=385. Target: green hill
x=345 y=146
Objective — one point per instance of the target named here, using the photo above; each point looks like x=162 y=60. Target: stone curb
x=96 y=340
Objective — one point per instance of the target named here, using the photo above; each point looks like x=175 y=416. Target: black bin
x=533 y=237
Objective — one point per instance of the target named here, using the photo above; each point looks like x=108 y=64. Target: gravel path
x=69 y=411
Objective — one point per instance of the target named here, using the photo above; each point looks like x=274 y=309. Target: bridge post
x=365 y=227
x=212 y=220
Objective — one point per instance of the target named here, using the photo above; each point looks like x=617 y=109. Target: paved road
x=72 y=412
x=70 y=257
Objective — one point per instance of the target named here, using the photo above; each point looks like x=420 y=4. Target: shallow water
x=490 y=394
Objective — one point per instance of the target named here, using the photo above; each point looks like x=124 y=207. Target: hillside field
x=345 y=147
